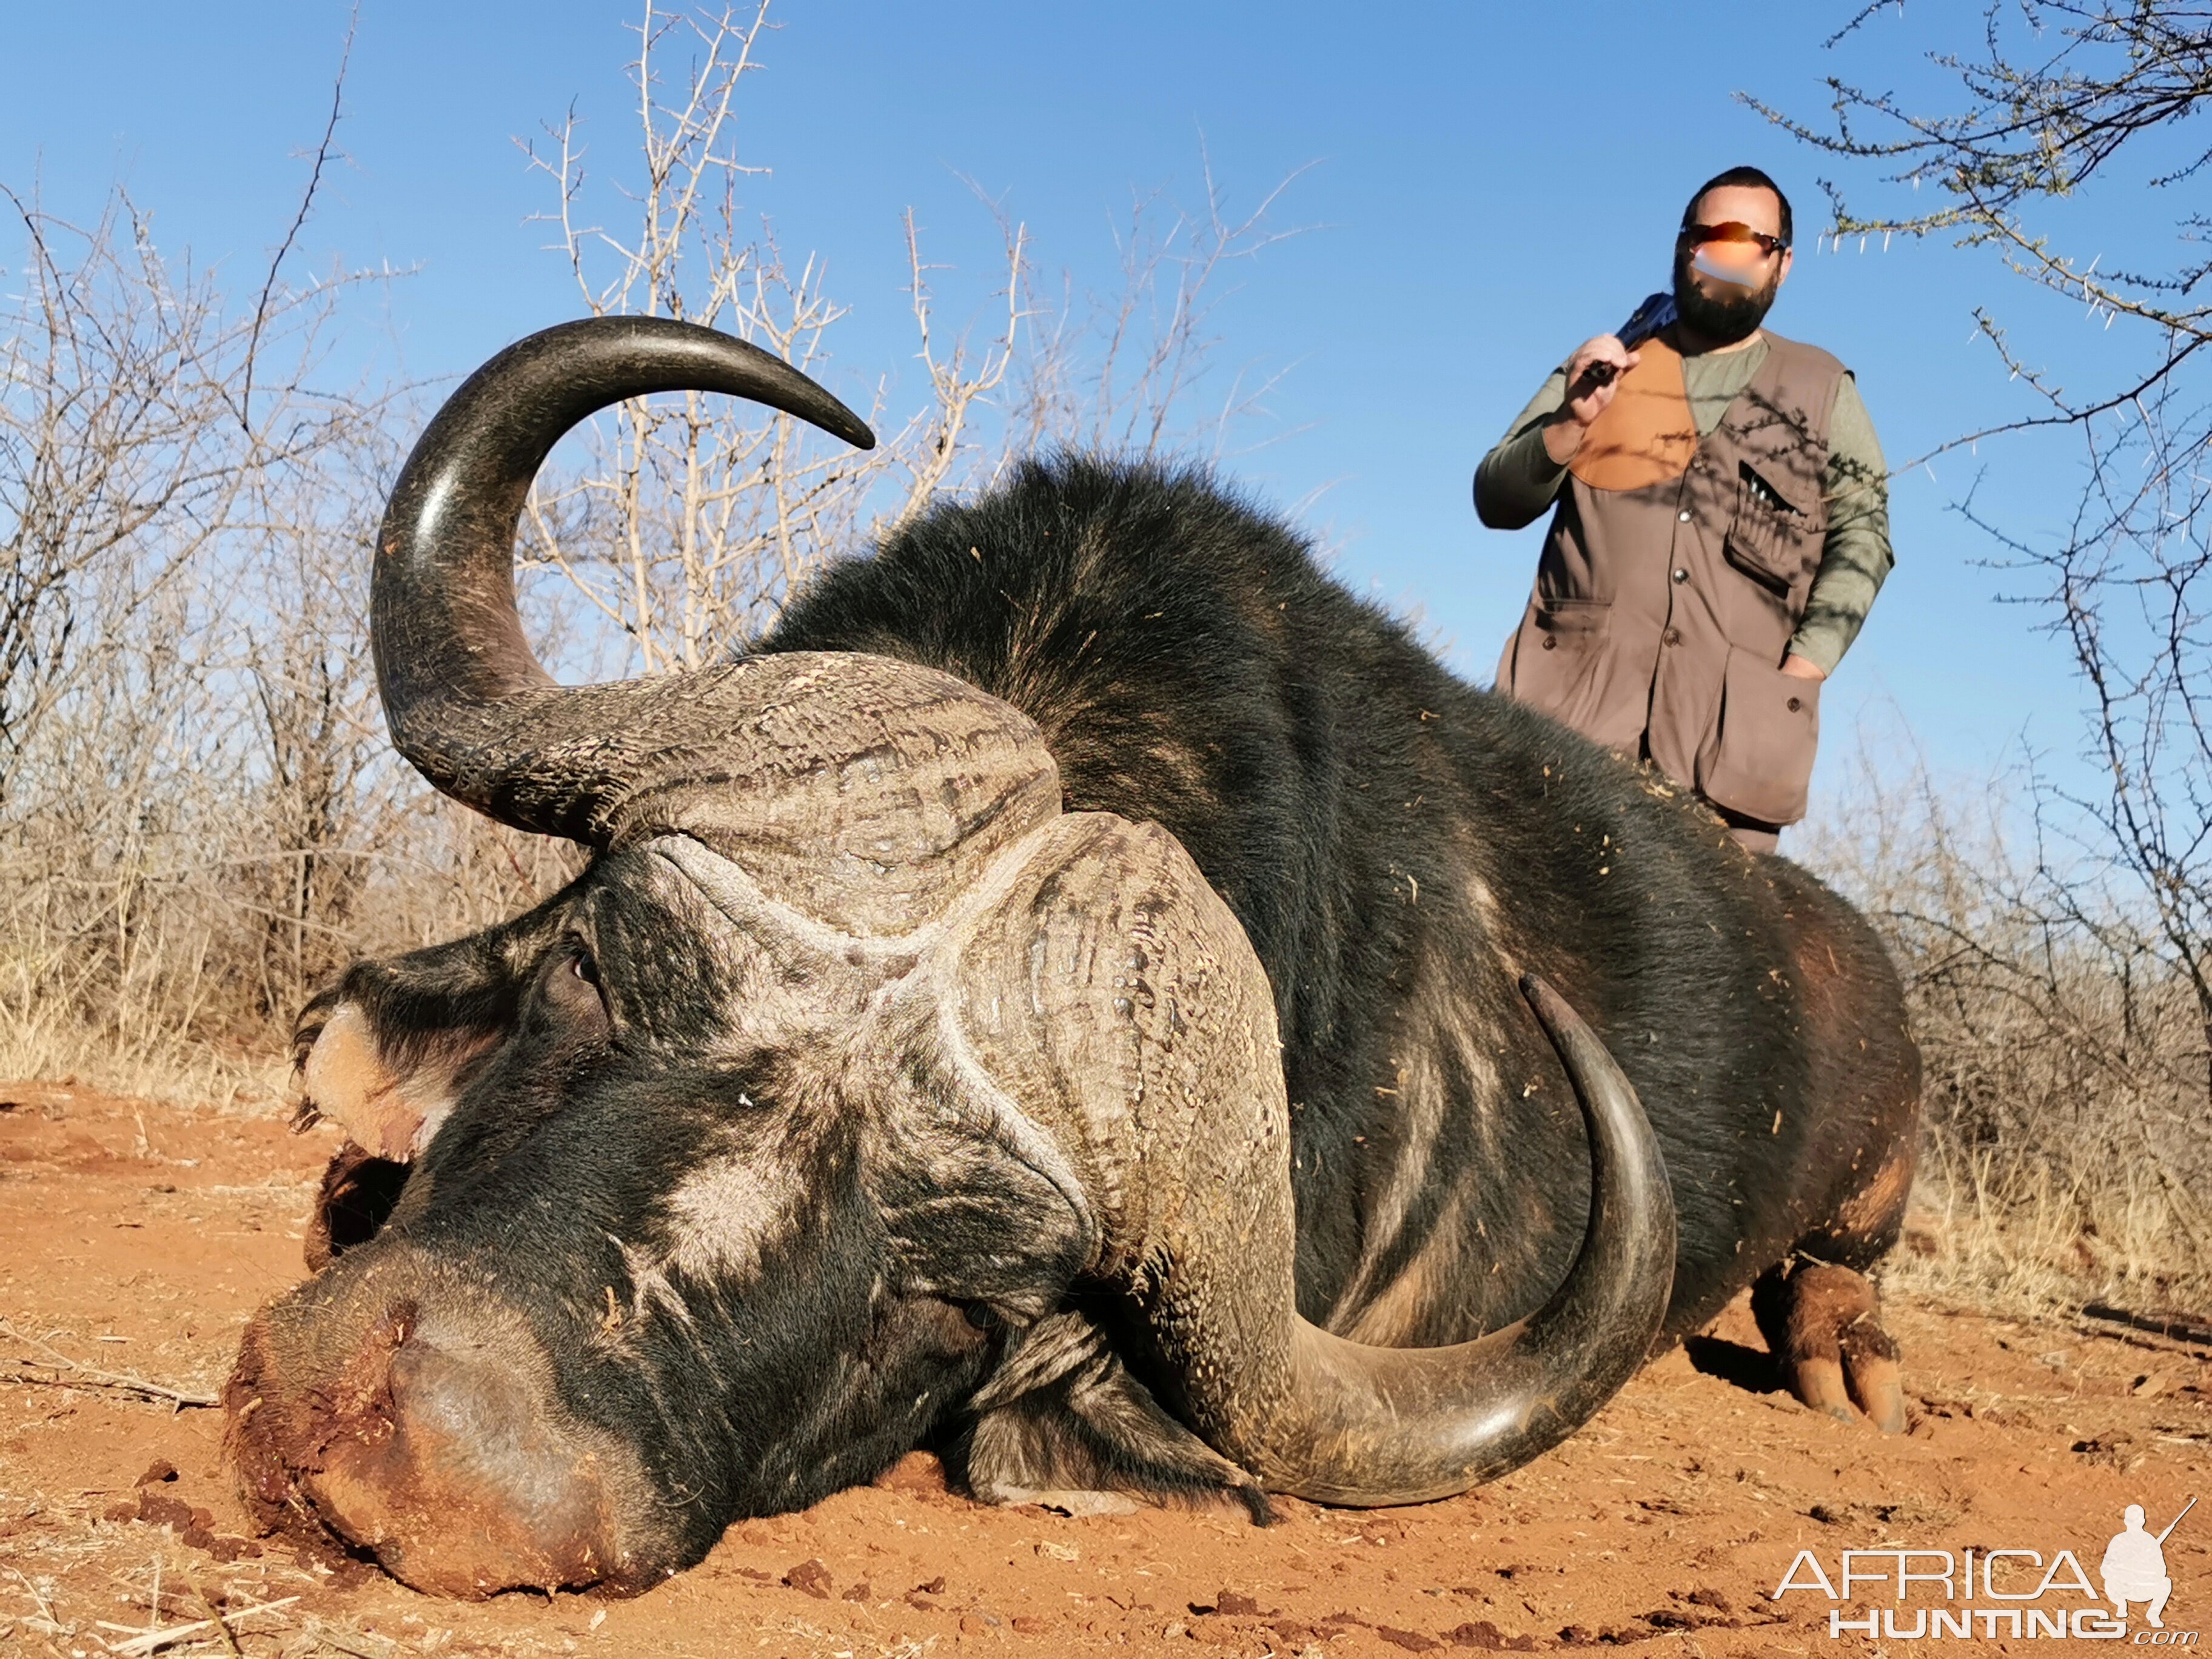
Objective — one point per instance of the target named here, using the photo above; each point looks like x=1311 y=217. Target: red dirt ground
x=138 y=1239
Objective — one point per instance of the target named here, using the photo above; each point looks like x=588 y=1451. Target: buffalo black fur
x=1190 y=663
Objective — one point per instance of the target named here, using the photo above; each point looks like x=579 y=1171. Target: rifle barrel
x=2176 y=1521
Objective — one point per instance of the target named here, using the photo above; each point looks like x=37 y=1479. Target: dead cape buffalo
x=1086 y=992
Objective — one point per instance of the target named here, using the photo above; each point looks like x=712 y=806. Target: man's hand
x=1587 y=394
x=1803 y=668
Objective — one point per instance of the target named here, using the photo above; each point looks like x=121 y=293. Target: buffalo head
x=720 y=1178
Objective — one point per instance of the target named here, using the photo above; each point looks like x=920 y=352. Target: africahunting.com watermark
x=1910 y=1594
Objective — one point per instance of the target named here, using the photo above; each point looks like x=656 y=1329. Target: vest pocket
x=1770 y=728
x=1561 y=667
x=1766 y=539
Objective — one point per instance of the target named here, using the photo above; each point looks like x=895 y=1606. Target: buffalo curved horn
x=757 y=754
x=1110 y=990
x=1481 y=1409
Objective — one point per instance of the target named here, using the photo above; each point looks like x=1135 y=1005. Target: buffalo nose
x=432 y=1441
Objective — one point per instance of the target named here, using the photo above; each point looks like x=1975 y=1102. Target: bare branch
x=299 y=219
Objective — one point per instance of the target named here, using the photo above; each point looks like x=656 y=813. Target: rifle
x=2176 y=1521
x=1656 y=312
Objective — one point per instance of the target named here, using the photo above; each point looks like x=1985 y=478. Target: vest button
x=1684 y=515
x=1672 y=636
x=1681 y=575
x=1551 y=642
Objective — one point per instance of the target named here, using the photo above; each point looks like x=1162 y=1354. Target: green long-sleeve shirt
x=1518 y=480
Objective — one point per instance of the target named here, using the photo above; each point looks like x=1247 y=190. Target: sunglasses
x=1731 y=231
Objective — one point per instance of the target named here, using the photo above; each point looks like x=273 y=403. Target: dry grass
x=201 y=820
x=2068 y=1130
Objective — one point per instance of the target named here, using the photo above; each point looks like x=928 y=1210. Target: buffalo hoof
x=1819 y=1386
x=1880 y=1388
x=1823 y=1323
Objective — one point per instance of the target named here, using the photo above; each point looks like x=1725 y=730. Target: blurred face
x=1725 y=283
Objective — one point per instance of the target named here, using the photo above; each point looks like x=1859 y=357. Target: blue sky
x=1489 y=184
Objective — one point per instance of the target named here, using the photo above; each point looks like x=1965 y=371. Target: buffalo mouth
x=360 y=1192
x=415 y=1426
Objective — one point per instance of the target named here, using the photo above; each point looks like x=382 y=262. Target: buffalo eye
x=573 y=987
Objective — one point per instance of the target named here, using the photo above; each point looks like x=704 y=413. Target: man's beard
x=1722 y=321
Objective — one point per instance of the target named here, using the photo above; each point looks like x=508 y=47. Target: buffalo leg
x=1823 y=1323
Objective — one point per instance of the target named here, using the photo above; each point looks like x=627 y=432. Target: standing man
x=1721 y=527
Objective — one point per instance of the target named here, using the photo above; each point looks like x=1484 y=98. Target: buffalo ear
x=1065 y=1424
x=384 y=1053
x=388 y=1095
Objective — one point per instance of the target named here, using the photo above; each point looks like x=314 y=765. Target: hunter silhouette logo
x=2133 y=1568
x=1993 y=1593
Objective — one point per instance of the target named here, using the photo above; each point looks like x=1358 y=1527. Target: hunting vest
x=1663 y=609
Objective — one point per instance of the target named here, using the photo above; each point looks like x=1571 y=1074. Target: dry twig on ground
x=77 y=1374
x=140 y=1644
